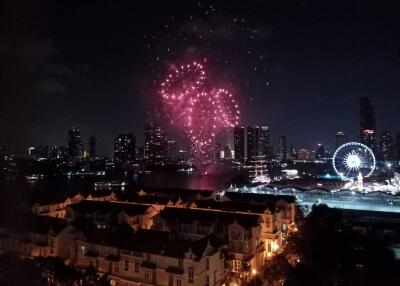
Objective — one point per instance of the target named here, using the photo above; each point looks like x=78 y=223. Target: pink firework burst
x=196 y=107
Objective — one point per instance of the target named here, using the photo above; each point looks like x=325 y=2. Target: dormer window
x=236 y=234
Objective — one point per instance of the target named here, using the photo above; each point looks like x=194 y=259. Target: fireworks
x=196 y=107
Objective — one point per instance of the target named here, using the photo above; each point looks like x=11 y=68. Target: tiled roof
x=33 y=223
x=175 y=215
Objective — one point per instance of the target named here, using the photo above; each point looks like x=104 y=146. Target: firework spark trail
x=196 y=107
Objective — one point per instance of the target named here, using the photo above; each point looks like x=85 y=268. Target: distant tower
x=124 y=149
x=293 y=154
x=282 y=148
x=238 y=143
x=253 y=139
x=386 y=146
x=156 y=144
x=367 y=123
x=75 y=145
x=340 y=139
x=92 y=147
x=264 y=143
x=227 y=152
x=320 y=153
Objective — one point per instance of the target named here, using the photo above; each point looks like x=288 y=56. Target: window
x=126 y=265
x=147 y=276
x=116 y=268
x=178 y=282
x=208 y=263
x=170 y=279
x=191 y=272
x=148 y=257
x=51 y=245
x=180 y=263
x=236 y=234
x=82 y=253
x=136 y=266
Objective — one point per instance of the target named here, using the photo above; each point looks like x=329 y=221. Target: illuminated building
x=92 y=147
x=256 y=163
x=253 y=139
x=238 y=143
x=282 y=152
x=367 y=123
x=172 y=150
x=124 y=149
x=75 y=145
x=227 y=152
x=264 y=142
x=293 y=154
x=386 y=146
x=320 y=153
x=156 y=145
x=340 y=139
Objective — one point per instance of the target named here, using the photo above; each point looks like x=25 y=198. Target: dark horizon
x=298 y=67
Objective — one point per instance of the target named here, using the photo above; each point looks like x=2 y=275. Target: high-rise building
x=293 y=153
x=238 y=143
x=320 y=152
x=75 y=145
x=340 y=139
x=264 y=142
x=124 y=149
x=92 y=147
x=253 y=140
x=386 y=146
x=156 y=144
x=282 y=152
x=172 y=150
x=227 y=152
x=367 y=123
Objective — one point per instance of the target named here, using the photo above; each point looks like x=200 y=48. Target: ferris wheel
x=352 y=160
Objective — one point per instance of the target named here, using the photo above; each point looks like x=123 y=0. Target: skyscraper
x=75 y=145
x=253 y=140
x=386 y=146
x=156 y=144
x=124 y=149
x=320 y=152
x=368 y=123
x=282 y=152
x=264 y=141
x=92 y=147
x=238 y=143
x=340 y=139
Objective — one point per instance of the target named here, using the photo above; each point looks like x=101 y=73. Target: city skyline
x=285 y=75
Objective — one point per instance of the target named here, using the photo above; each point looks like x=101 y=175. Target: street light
x=254 y=272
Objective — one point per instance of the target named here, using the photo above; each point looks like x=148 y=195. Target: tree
x=332 y=253
x=276 y=270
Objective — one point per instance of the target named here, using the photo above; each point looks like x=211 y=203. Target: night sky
x=296 y=66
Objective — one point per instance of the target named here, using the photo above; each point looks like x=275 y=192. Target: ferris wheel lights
x=352 y=160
